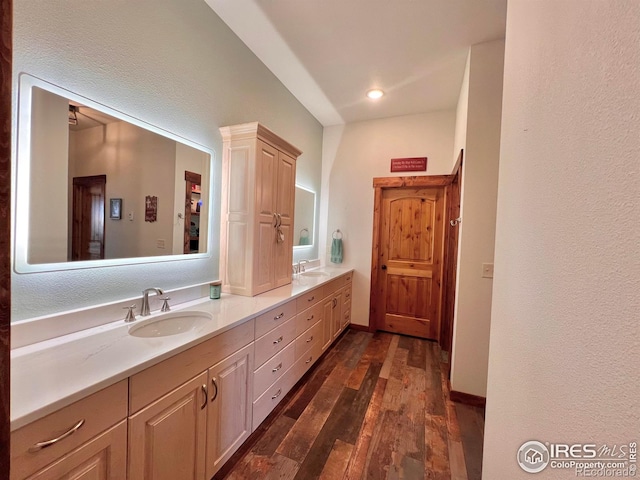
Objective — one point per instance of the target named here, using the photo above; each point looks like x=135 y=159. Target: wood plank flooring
x=375 y=407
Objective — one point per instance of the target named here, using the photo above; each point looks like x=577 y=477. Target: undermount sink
x=171 y=324
x=314 y=274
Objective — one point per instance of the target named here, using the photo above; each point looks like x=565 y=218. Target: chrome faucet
x=299 y=268
x=145 y=299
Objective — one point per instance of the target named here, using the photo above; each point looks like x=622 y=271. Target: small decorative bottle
x=214 y=290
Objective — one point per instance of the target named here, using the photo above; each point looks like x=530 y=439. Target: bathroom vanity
x=111 y=403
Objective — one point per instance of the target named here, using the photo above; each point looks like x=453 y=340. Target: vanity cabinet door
x=104 y=458
x=327 y=323
x=167 y=439
x=336 y=314
x=285 y=204
x=229 y=412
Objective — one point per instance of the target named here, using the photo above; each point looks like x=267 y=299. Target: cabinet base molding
x=467 y=398
x=361 y=328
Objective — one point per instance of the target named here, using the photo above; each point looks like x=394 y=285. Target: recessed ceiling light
x=375 y=93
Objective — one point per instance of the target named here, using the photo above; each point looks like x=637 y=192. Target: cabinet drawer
x=154 y=382
x=309 y=298
x=103 y=457
x=274 y=317
x=273 y=369
x=346 y=313
x=334 y=285
x=98 y=412
x=308 y=318
x=348 y=278
x=274 y=341
x=346 y=293
x=307 y=339
x=305 y=362
x=264 y=405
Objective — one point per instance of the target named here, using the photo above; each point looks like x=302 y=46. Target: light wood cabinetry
x=258 y=196
x=167 y=439
x=229 y=413
x=184 y=417
x=64 y=437
x=104 y=457
x=205 y=419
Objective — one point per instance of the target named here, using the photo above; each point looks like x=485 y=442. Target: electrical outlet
x=130 y=216
x=160 y=243
x=487 y=270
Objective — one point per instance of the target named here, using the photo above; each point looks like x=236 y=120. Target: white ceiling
x=328 y=53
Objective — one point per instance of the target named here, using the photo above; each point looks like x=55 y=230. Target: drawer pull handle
x=215 y=385
x=48 y=443
x=278 y=317
x=278 y=393
x=310 y=318
x=310 y=358
x=311 y=299
x=275 y=342
x=274 y=370
x=310 y=339
x=348 y=295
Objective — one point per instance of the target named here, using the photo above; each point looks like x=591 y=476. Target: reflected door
x=411 y=261
x=192 y=205
x=87 y=232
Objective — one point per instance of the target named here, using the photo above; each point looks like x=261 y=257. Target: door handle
x=384 y=267
x=215 y=385
x=205 y=394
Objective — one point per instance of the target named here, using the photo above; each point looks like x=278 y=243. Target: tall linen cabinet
x=258 y=201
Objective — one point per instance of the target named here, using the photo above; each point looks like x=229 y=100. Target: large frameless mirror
x=95 y=187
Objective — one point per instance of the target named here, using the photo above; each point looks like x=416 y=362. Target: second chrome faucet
x=145 y=311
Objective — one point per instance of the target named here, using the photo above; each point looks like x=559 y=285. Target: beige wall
x=481 y=136
x=171 y=63
x=352 y=156
x=564 y=351
x=50 y=137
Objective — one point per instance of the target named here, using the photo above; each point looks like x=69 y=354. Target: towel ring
x=303 y=231
x=337 y=234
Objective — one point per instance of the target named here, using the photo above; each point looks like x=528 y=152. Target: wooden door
x=452 y=229
x=87 y=230
x=6 y=194
x=410 y=261
x=103 y=458
x=285 y=205
x=266 y=171
x=230 y=402
x=167 y=439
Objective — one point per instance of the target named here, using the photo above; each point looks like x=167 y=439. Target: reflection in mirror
x=304 y=218
x=94 y=185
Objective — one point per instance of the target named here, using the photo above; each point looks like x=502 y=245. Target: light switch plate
x=487 y=270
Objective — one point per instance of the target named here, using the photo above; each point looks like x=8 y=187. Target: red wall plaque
x=415 y=164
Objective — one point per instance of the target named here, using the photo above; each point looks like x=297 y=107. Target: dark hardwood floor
x=376 y=406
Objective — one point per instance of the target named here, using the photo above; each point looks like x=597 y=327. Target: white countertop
x=49 y=375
